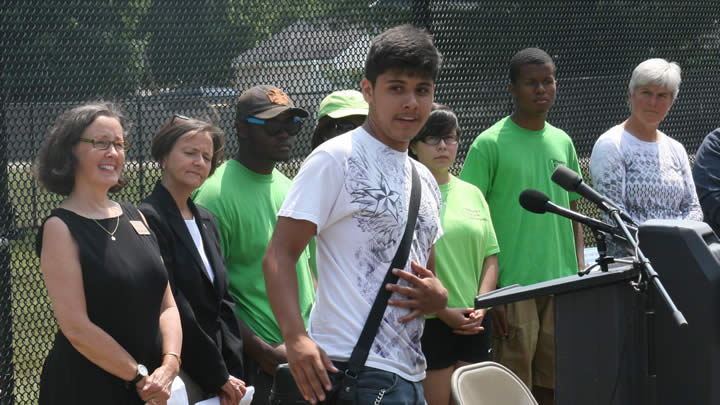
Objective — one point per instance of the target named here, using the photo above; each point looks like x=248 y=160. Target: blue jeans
x=377 y=387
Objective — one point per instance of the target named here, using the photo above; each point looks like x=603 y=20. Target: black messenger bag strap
x=344 y=388
x=372 y=324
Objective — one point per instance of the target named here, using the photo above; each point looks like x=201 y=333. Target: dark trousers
x=258 y=378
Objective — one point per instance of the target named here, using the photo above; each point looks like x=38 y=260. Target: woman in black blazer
x=188 y=151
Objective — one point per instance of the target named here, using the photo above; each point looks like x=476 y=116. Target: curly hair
x=56 y=163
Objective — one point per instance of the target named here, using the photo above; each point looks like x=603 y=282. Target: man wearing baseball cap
x=245 y=194
x=339 y=112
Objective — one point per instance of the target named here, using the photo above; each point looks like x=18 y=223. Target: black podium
x=601 y=355
x=616 y=345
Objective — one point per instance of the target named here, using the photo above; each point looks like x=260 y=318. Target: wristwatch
x=141 y=372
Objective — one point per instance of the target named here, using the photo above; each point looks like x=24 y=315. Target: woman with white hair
x=637 y=166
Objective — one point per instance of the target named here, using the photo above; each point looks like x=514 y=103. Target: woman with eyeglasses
x=465 y=260
x=120 y=337
x=188 y=151
x=339 y=112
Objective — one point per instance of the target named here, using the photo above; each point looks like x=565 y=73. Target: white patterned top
x=648 y=180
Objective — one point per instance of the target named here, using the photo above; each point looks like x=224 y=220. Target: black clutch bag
x=284 y=391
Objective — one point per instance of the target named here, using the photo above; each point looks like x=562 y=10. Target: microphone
x=539 y=203
x=572 y=182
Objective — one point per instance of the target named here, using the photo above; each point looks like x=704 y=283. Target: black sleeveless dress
x=124 y=281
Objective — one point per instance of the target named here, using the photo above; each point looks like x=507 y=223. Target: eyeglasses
x=435 y=140
x=345 y=126
x=120 y=146
x=275 y=127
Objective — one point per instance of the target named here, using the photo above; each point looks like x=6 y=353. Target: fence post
x=421 y=14
x=7 y=377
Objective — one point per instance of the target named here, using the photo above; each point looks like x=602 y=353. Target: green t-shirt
x=468 y=238
x=245 y=205
x=505 y=160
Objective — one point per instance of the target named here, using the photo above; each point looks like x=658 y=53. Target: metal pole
x=421 y=14
x=7 y=376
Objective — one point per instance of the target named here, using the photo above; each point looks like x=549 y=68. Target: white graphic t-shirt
x=356 y=190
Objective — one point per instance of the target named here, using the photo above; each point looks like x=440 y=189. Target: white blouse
x=197 y=238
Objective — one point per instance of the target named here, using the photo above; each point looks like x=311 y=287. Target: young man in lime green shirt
x=520 y=152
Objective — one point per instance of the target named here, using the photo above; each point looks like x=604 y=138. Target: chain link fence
x=157 y=58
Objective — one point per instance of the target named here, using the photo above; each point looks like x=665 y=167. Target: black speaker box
x=686 y=256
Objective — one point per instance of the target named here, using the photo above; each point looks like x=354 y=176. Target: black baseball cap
x=265 y=102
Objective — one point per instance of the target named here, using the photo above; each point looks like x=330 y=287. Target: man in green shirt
x=245 y=194
x=520 y=152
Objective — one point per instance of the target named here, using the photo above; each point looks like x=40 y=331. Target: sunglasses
x=179 y=117
x=275 y=127
x=435 y=140
x=120 y=146
x=344 y=126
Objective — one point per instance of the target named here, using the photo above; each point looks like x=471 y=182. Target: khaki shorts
x=529 y=348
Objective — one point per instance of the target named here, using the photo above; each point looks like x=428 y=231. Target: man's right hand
x=499 y=321
x=308 y=365
x=424 y=295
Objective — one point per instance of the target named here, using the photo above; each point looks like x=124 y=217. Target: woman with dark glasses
x=188 y=151
x=120 y=338
x=465 y=260
x=339 y=112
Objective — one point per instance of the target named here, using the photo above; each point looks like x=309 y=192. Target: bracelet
x=177 y=356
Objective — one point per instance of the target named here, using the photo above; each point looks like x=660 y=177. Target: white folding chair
x=489 y=383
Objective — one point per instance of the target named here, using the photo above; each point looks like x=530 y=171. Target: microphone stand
x=603 y=259
x=643 y=264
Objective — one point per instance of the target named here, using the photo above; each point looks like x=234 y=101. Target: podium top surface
x=564 y=285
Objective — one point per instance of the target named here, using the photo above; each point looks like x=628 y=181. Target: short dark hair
x=404 y=48
x=179 y=125
x=55 y=163
x=528 y=56
x=441 y=121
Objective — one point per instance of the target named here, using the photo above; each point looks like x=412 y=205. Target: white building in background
x=307 y=60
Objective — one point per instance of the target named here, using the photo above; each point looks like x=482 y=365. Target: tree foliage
x=60 y=49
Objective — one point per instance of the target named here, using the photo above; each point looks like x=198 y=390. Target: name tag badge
x=140 y=227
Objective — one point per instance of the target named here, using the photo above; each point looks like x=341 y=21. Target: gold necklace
x=112 y=234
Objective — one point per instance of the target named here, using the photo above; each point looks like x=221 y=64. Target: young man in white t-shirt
x=352 y=194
